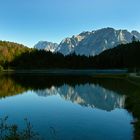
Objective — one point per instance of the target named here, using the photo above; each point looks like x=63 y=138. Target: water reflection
x=88 y=95
x=9 y=87
x=75 y=107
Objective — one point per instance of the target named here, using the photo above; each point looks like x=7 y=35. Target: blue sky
x=28 y=21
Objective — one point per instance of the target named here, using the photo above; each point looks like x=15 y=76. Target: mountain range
x=90 y=43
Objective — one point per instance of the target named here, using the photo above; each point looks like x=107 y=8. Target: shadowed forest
x=16 y=56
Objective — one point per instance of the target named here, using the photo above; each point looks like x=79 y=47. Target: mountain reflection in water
x=83 y=91
x=88 y=95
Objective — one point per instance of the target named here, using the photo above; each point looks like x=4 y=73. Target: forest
x=17 y=56
x=9 y=51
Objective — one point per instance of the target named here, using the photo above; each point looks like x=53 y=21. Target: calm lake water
x=68 y=108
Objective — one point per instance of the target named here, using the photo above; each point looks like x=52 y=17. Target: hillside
x=10 y=50
x=122 y=56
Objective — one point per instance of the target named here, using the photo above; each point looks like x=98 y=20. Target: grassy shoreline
x=132 y=101
x=133 y=104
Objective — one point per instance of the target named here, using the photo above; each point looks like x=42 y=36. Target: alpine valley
x=90 y=43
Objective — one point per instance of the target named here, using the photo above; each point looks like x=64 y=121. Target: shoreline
x=74 y=72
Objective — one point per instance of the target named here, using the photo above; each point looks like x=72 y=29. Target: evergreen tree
x=134 y=39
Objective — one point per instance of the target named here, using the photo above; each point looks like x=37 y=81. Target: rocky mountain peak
x=45 y=45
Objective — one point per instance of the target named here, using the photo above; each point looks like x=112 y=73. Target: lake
x=68 y=107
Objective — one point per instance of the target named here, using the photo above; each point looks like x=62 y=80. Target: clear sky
x=29 y=21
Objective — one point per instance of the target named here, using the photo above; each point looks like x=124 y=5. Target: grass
x=12 y=131
x=133 y=105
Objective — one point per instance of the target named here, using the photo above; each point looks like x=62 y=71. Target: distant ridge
x=45 y=45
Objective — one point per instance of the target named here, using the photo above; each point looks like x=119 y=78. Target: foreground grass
x=12 y=131
x=133 y=105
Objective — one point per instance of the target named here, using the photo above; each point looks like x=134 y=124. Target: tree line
x=17 y=56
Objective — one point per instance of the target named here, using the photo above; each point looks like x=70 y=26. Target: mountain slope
x=68 y=45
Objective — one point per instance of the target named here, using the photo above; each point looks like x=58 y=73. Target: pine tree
x=133 y=39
